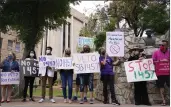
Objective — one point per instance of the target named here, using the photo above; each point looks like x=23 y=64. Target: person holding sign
x=140 y=88
x=29 y=80
x=8 y=65
x=162 y=57
x=86 y=79
x=107 y=76
x=49 y=74
x=67 y=78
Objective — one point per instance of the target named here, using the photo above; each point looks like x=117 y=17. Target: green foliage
x=141 y=15
x=30 y=18
x=99 y=40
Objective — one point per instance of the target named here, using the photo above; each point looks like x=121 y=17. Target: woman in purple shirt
x=107 y=76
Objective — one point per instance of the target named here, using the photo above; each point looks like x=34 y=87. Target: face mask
x=31 y=54
x=162 y=48
x=68 y=53
x=103 y=52
x=47 y=51
x=10 y=57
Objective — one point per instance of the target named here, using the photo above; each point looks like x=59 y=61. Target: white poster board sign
x=115 y=44
x=8 y=78
x=64 y=63
x=86 y=63
x=140 y=70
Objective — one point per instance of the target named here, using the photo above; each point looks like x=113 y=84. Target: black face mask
x=86 y=50
x=68 y=53
x=103 y=52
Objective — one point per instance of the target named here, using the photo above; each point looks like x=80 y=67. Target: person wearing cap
x=140 y=88
x=163 y=55
x=48 y=74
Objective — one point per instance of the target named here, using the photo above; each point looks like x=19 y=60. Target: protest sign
x=8 y=78
x=29 y=68
x=86 y=63
x=140 y=70
x=162 y=68
x=46 y=61
x=85 y=41
x=64 y=63
x=115 y=44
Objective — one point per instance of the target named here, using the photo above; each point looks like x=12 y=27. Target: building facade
x=63 y=37
x=10 y=43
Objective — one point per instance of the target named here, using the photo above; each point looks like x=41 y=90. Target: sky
x=88 y=7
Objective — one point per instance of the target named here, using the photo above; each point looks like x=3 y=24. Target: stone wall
x=124 y=90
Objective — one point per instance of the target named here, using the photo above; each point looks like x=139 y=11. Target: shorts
x=162 y=80
x=86 y=80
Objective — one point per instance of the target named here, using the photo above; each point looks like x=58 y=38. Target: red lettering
x=145 y=66
x=139 y=61
x=149 y=64
x=131 y=67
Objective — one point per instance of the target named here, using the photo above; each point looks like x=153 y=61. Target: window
x=10 y=44
x=69 y=35
x=17 y=47
x=1 y=43
x=64 y=36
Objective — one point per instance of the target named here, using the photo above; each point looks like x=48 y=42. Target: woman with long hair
x=28 y=79
x=8 y=65
x=67 y=78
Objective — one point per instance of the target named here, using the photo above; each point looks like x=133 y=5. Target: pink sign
x=162 y=68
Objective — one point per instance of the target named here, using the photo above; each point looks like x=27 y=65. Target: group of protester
x=85 y=81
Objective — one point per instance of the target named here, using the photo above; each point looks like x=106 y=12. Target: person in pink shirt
x=162 y=54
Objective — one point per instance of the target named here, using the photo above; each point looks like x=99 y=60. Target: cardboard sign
x=140 y=70
x=8 y=78
x=85 y=41
x=162 y=68
x=64 y=63
x=29 y=68
x=115 y=44
x=86 y=63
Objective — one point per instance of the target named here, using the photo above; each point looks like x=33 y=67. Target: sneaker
x=116 y=103
x=70 y=101
x=85 y=99
x=24 y=100
x=91 y=101
x=52 y=100
x=74 y=98
x=31 y=99
x=41 y=100
x=65 y=100
x=81 y=101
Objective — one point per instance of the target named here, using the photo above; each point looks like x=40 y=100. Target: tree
x=141 y=15
x=30 y=18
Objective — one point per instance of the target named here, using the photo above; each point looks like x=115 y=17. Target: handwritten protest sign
x=140 y=70
x=115 y=43
x=162 y=68
x=64 y=63
x=10 y=78
x=29 y=68
x=86 y=63
x=46 y=61
x=85 y=41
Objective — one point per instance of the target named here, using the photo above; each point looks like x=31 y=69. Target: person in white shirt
x=48 y=74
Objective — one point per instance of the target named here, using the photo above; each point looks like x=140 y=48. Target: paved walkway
x=59 y=103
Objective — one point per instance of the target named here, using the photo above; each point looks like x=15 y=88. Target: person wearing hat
x=140 y=88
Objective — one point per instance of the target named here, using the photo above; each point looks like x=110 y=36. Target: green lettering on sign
x=141 y=74
x=147 y=72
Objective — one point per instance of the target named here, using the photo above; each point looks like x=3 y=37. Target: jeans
x=86 y=79
x=67 y=78
x=28 y=81
x=108 y=80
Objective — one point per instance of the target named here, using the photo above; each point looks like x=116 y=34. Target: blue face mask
x=10 y=57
